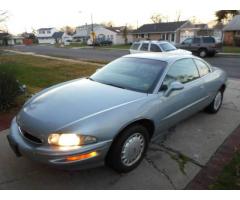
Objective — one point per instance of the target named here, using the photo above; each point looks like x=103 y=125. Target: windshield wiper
x=118 y=86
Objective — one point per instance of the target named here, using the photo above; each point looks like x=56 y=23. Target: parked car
x=111 y=116
x=99 y=42
x=202 y=46
x=155 y=46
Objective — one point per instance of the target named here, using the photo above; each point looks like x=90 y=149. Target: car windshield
x=136 y=74
x=167 y=47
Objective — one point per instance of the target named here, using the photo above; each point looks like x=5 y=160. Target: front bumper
x=56 y=156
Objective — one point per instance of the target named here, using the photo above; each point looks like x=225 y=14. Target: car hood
x=63 y=104
x=180 y=52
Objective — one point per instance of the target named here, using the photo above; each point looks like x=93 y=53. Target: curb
x=228 y=55
x=224 y=154
x=54 y=58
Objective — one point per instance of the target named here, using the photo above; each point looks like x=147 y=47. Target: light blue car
x=111 y=116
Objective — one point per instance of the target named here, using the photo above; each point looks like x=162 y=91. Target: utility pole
x=93 y=34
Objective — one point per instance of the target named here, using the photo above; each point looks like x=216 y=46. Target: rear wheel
x=128 y=149
x=216 y=103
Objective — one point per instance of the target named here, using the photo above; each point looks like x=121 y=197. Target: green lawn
x=118 y=46
x=229 y=178
x=231 y=49
x=38 y=73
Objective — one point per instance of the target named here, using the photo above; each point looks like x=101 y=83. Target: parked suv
x=155 y=46
x=202 y=46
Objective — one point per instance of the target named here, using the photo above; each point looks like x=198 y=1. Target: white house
x=45 y=35
x=52 y=36
x=114 y=34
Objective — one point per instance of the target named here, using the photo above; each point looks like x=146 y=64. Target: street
x=230 y=64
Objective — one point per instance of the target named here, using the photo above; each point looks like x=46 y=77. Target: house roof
x=57 y=35
x=159 y=27
x=233 y=25
x=45 y=29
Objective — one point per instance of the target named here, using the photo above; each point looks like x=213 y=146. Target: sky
x=25 y=15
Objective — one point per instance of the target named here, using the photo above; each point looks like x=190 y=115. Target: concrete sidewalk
x=168 y=165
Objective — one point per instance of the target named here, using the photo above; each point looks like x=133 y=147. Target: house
x=169 y=31
x=232 y=32
x=191 y=30
x=114 y=34
x=62 y=38
x=45 y=35
x=8 y=39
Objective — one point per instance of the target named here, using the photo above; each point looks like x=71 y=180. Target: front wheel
x=216 y=103
x=203 y=53
x=128 y=149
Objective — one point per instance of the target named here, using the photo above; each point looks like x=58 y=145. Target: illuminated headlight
x=70 y=139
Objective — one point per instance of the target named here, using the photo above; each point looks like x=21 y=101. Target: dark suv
x=202 y=45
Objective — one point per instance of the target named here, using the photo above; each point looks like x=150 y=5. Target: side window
x=187 y=41
x=183 y=71
x=155 y=48
x=144 y=46
x=208 y=40
x=202 y=67
x=135 y=46
x=196 y=40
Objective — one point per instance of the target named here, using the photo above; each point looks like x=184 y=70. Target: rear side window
x=208 y=40
x=135 y=46
x=202 y=67
x=155 y=48
x=144 y=47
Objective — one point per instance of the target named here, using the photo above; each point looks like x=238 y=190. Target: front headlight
x=70 y=139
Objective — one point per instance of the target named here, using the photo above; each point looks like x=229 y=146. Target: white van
x=156 y=46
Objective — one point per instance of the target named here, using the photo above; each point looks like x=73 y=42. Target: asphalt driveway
x=230 y=64
x=170 y=164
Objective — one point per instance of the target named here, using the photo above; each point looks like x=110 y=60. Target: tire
x=216 y=103
x=202 y=53
x=136 y=135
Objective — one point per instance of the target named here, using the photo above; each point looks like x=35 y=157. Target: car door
x=196 y=43
x=180 y=103
x=209 y=81
x=186 y=44
x=144 y=47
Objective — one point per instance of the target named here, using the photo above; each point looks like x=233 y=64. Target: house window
x=142 y=35
x=167 y=36
x=48 y=32
x=172 y=37
x=237 y=33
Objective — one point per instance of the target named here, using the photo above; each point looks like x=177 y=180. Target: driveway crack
x=176 y=155
x=163 y=172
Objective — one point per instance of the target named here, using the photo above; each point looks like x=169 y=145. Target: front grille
x=30 y=137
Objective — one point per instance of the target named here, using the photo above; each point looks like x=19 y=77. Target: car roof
x=163 y=56
x=153 y=41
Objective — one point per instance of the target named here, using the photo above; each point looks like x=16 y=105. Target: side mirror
x=176 y=85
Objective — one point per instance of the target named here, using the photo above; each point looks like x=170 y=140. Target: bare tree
x=68 y=29
x=178 y=15
x=3 y=18
x=125 y=34
x=108 y=24
x=156 y=18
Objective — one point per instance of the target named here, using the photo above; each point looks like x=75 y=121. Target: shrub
x=9 y=90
